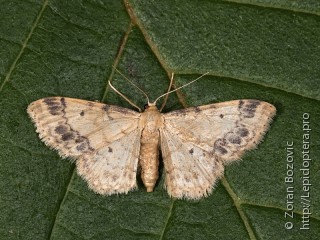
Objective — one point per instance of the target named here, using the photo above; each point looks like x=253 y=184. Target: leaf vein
x=24 y=45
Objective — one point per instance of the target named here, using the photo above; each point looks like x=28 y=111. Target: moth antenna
x=179 y=87
x=166 y=97
x=133 y=84
x=122 y=95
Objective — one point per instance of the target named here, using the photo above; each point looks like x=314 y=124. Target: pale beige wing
x=113 y=168
x=197 y=141
x=104 y=139
x=190 y=171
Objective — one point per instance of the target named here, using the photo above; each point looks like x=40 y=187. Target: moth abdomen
x=149 y=159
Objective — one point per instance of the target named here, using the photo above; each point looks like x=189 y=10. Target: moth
x=110 y=143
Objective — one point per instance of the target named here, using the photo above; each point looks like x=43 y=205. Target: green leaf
x=267 y=50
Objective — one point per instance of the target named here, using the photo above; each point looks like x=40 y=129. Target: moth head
x=150 y=106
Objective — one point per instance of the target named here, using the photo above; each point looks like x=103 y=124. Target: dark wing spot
x=82 y=113
x=50 y=101
x=221 y=115
x=63 y=101
x=54 y=106
x=191 y=151
x=234 y=139
x=195 y=176
x=110 y=149
x=81 y=147
x=240 y=104
x=187 y=178
x=55 y=110
x=61 y=129
x=242 y=132
x=220 y=141
x=249 y=114
x=221 y=150
x=67 y=136
x=253 y=104
x=197 y=109
x=80 y=139
x=105 y=108
x=249 y=109
x=219 y=146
